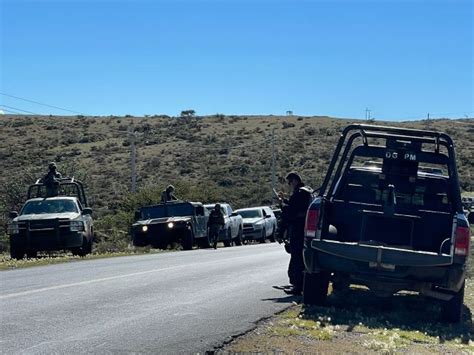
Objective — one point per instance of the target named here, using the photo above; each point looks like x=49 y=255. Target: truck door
x=201 y=222
x=231 y=221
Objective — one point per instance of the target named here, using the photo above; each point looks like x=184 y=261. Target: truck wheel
x=238 y=240
x=205 y=242
x=31 y=254
x=272 y=236
x=16 y=253
x=315 y=288
x=453 y=309
x=228 y=241
x=83 y=250
x=188 y=241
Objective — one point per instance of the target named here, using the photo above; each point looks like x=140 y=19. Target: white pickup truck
x=260 y=223
x=233 y=228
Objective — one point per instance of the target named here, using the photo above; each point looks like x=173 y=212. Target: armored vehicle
x=62 y=222
x=172 y=222
x=393 y=225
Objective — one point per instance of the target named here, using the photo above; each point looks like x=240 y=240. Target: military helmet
x=217 y=206
x=170 y=188
x=52 y=166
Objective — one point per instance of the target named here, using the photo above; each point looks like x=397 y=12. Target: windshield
x=211 y=208
x=167 y=211
x=49 y=206
x=250 y=213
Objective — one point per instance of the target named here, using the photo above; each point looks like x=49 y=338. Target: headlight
x=144 y=228
x=170 y=225
x=13 y=228
x=257 y=226
x=76 y=226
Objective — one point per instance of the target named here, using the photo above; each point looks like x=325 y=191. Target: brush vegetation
x=207 y=159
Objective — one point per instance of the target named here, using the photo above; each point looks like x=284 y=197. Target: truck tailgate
x=381 y=255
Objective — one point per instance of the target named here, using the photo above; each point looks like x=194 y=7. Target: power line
x=19 y=109
x=40 y=103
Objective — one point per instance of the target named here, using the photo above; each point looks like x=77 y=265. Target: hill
x=224 y=158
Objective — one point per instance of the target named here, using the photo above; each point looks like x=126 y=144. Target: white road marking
x=58 y=287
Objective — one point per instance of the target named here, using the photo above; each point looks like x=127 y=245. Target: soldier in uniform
x=215 y=223
x=167 y=195
x=51 y=180
x=296 y=207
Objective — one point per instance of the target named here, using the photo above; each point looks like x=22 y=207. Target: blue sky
x=402 y=59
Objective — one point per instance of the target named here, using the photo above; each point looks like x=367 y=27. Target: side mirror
x=13 y=214
x=470 y=217
x=233 y=214
x=87 y=211
x=137 y=215
x=267 y=216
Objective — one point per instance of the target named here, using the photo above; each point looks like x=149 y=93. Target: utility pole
x=133 y=158
x=428 y=117
x=367 y=114
x=273 y=164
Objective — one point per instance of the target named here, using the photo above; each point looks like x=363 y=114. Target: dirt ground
x=356 y=322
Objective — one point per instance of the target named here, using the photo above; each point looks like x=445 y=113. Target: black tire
x=315 y=288
x=272 y=236
x=83 y=250
x=16 y=253
x=188 y=240
x=452 y=311
x=228 y=241
x=238 y=240
x=205 y=242
x=264 y=235
x=31 y=254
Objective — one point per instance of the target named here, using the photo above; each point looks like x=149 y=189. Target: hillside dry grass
x=208 y=159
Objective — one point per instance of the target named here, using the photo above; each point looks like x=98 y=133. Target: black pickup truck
x=172 y=222
x=389 y=216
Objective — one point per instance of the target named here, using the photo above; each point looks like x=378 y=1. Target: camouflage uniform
x=214 y=224
x=51 y=181
x=295 y=216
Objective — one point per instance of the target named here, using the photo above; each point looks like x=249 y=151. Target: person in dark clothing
x=167 y=195
x=215 y=223
x=51 y=180
x=296 y=207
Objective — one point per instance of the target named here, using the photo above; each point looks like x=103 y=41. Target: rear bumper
x=376 y=266
x=47 y=241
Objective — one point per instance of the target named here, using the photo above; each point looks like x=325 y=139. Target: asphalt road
x=164 y=303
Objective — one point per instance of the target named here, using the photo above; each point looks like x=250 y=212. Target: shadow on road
x=359 y=307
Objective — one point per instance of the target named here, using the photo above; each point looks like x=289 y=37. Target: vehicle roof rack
x=38 y=190
x=365 y=131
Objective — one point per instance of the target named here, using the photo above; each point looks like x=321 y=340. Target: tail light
x=462 y=241
x=311 y=225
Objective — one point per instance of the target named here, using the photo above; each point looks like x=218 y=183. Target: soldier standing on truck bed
x=295 y=216
x=51 y=180
x=167 y=195
x=215 y=223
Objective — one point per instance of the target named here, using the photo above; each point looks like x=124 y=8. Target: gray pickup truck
x=389 y=216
